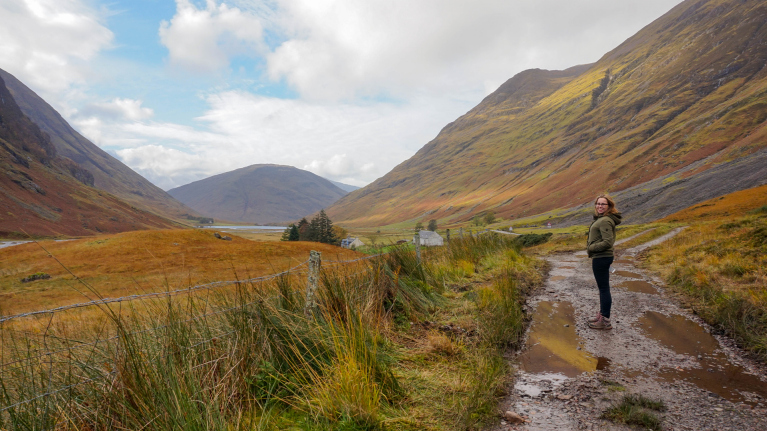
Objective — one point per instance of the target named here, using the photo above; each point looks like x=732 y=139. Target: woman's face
x=602 y=206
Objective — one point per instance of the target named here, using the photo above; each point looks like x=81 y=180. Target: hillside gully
x=568 y=374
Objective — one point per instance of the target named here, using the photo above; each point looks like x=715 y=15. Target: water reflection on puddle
x=638 y=286
x=627 y=274
x=553 y=347
x=716 y=374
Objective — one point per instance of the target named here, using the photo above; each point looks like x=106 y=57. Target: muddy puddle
x=715 y=373
x=624 y=261
x=627 y=274
x=566 y=267
x=558 y=277
x=553 y=345
x=639 y=286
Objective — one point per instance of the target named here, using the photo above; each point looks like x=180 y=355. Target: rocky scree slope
x=690 y=87
x=259 y=194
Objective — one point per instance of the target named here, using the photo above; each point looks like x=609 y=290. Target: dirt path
x=568 y=374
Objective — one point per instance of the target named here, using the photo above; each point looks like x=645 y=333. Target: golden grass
x=140 y=262
x=728 y=206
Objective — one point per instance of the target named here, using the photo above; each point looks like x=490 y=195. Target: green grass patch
x=638 y=410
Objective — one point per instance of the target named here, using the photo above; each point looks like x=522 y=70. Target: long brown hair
x=611 y=208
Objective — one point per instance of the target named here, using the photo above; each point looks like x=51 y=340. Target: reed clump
x=253 y=357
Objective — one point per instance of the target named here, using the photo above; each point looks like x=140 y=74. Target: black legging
x=601 y=268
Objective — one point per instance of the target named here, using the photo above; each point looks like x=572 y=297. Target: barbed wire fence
x=46 y=357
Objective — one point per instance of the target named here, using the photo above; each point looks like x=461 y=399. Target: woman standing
x=600 y=250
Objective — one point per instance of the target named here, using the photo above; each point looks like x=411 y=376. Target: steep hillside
x=690 y=87
x=109 y=174
x=43 y=193
x=259 y=194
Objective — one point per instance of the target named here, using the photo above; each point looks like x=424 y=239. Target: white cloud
x=343 y=142
x=341 y=49
x=126 y=109
x=205 y=39
x=47 y=43
x=341 y=168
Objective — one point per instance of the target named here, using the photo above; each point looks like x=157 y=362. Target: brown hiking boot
x=595 y=318
x=602 y=323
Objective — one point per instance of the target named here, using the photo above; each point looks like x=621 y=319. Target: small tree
x=286 y=234
x=340 y=232
x=433 y=225
x=294 y=235
x=291 y=233
x=489 y=217
x=478 y=220
x=321 y=229
x=418 y=226
x=304 y=232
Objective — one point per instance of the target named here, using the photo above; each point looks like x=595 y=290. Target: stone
x=217 y=235
x=226 y=238
x=513 y=418
x=564 y=397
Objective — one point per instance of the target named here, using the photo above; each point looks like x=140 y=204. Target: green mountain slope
x=259 y=194
x=109 y=174
x=43 y=193
x=690 y=87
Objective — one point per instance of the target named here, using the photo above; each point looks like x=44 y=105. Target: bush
x=531 y=239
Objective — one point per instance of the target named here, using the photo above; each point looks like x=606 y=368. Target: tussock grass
x=636 y=409
x=251 y=358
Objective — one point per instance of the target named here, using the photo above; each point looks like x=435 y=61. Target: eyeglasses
x=602 y=205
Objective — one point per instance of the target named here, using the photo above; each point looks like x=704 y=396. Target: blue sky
x=181 y=90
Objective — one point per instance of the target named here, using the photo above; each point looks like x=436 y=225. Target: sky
x=348 y=89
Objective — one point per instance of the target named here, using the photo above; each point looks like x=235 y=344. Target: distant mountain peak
x=262 y=193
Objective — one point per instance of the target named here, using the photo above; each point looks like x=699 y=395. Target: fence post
x=460 y=233
x=448 y=236
x=417 y=240
x=315 y=260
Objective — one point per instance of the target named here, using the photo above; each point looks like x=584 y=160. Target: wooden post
x=460 y=233
x=417 y=241
x=313 y=280
x=448 y=236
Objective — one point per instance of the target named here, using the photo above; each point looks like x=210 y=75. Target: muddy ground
x=568 y=374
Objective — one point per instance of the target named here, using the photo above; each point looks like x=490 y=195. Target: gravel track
x=568 y=374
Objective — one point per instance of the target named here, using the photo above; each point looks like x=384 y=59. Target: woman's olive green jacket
x=602 y=235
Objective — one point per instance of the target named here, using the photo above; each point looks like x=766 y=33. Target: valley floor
x=569 y=374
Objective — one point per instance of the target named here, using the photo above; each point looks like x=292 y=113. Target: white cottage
x=429 y=238
x=351 y=242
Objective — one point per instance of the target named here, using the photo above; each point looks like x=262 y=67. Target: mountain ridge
x=690 y=85
x=44 y=193
x=109 y=174
x=261 y=193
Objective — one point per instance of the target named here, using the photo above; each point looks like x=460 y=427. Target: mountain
x=683 y=96
x=344 y=187
x=45 y=193
x=109 y=174
x=259 y=194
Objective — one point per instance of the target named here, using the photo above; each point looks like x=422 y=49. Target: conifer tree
x=304 y=230
x=294 y=235
x=286 y=233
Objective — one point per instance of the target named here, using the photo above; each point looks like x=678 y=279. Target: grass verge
x=392 y=344
x=720 y=269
